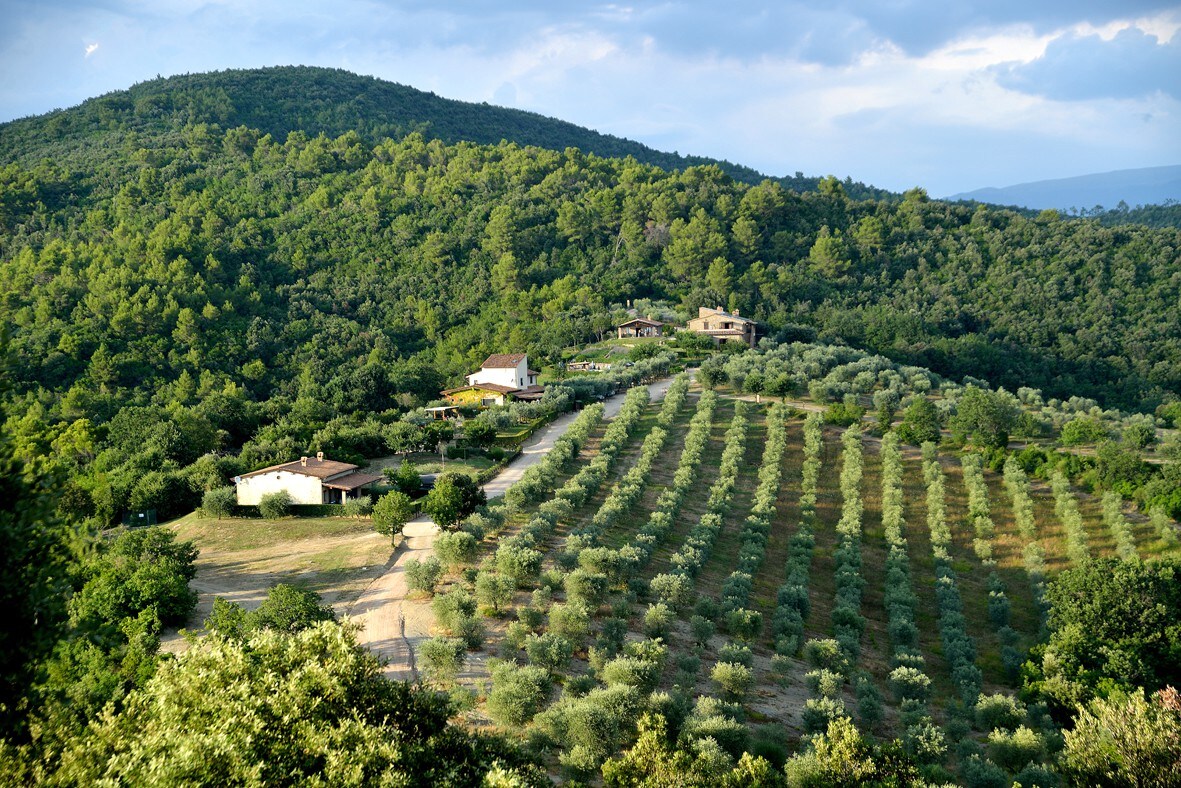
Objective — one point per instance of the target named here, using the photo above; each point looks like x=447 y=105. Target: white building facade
x=505 y=369
x=308 y=480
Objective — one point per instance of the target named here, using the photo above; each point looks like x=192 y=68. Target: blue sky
x=945 y=94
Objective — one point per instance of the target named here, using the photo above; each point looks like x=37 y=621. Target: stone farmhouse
x=723 y=326
x=501 y=378
x=308 y=480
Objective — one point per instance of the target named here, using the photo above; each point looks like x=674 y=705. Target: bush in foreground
x=309 y=708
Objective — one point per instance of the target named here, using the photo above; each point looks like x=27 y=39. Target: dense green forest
x=332 y=102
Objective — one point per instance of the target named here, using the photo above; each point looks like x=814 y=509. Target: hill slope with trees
x=332 y=102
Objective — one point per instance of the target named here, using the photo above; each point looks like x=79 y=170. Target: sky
x=943 y=94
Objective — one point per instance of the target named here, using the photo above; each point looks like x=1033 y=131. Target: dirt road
x=394 y=626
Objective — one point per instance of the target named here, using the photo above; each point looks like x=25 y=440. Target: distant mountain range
x=1145 y=186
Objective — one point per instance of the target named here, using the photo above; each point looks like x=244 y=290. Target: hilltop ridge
x=314 y=100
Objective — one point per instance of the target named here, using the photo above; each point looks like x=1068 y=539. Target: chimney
x=718 y=308
x=303 y=461
x=736 y=313
x=320 y=454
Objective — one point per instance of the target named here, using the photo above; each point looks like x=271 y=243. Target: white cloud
x=90 y=49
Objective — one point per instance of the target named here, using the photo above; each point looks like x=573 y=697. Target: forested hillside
x=332 y=102
x=197 y=256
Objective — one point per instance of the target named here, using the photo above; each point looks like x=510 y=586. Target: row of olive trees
x=834 y=659
x=626 y=669
x=593 y=571
x=1072 y=520
x=847 y=620
x=1033 y=555
x=591 y=725
x=551 y=633
x=1117 y=523
x=618 y=566
x=675 y=590
x=980 y=513
x=668 y=505
x=1164 y=526
x=627 y=491
x=756 y=529
x=517 y=561
x=540 y=479
x=698 y=545
x=519 y=556
x=458 y=549
x=958 y=647
x=792 y=602
x=908 y=678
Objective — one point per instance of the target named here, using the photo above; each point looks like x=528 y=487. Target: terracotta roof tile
x=502 y=360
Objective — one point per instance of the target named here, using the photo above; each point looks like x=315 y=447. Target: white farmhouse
x=505 y=369
x=308 y=480
x=501 y=378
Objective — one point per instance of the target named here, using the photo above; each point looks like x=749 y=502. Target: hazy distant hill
x=1146 y=186
x=333 y=101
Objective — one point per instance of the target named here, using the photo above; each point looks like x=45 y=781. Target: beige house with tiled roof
x=308 y=480
x=502 y=376
x=723 y=326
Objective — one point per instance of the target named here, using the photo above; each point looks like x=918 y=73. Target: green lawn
x=231 y=534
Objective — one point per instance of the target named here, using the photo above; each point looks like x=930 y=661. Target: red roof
x=503 y=361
